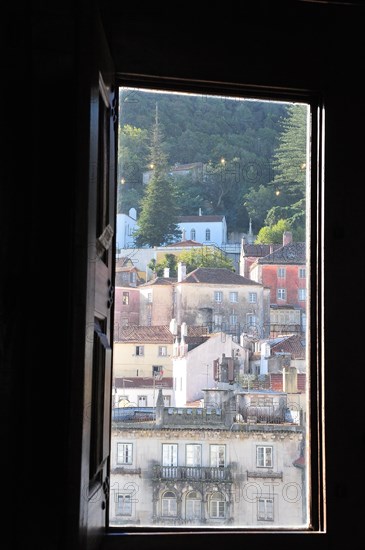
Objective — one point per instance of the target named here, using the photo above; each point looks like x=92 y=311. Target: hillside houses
x=282 y=269
x=222 y=300
x=213 y=425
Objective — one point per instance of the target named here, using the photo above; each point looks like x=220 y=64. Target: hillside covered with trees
x=252 y=153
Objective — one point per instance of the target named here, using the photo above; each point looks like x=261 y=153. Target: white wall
x=218 y=231
x=125 y=227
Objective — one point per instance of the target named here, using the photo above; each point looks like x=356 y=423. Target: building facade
x=187 y=468
x=222 y=300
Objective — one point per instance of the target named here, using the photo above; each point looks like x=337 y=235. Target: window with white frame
x=192 y=234
x=233 y=297
x=302 y=273
x=193 y=455
x=217 y=456
x=169 y=454
x=265 y=509
x=162 y=351
x=125 y=298
x=302 y=294
x=169 y=504
x=281 y=293
x=207 y=234
x=123 y=504
x=217 y=505
x=264 y=456
x=193 y=505
x=124 y=453
x=218 y=295
x=252 y=297
x=281 y=272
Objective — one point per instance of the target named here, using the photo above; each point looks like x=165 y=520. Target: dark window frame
x=315 y=100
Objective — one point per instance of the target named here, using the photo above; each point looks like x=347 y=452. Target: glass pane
x=212 y=252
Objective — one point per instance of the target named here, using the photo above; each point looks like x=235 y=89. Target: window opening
x=233 y=174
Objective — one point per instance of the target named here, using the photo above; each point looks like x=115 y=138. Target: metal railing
x=193 y=473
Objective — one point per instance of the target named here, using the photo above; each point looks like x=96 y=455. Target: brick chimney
x=287 y=237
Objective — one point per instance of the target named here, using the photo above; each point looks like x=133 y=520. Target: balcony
x=192 y=473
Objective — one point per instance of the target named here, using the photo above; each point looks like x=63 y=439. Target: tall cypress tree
x=290 y=164
x=157 y=223
x=290 y=159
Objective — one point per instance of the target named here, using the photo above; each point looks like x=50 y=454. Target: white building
x=210 y=229
x=189 y=468
x=195 y=369
x=126 y=225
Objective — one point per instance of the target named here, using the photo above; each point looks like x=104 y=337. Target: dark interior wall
x=306 y=45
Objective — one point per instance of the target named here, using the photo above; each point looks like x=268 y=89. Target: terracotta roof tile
x=146 y=334
x=293 y=253
x=217 y=275
x=160 y=281
x=293 y=344
x=259 y=250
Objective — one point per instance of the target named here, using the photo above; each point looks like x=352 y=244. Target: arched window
x=192 y=234
x=169 y=504
x=217 y=506
x=193 y=505
x=207 y=234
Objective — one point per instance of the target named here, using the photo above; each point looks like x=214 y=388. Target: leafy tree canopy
x=169 y=261
x=253 y=152
x=272 y=234
x=205 y=257
x=206 y=130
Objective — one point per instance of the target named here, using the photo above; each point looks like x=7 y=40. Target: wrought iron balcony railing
x=193 y=473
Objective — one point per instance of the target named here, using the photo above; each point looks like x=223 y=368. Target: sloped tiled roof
x=146 y=334
x=293 y=253
x=197 y=330
x=259 y=250
x=160 y=281
x=124 y=261
x=217 y=275
x=293 y=344
x=126 y=269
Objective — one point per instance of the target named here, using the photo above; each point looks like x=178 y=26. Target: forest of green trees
x=253 y=154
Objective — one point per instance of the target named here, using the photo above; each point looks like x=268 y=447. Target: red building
x=284 y=272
